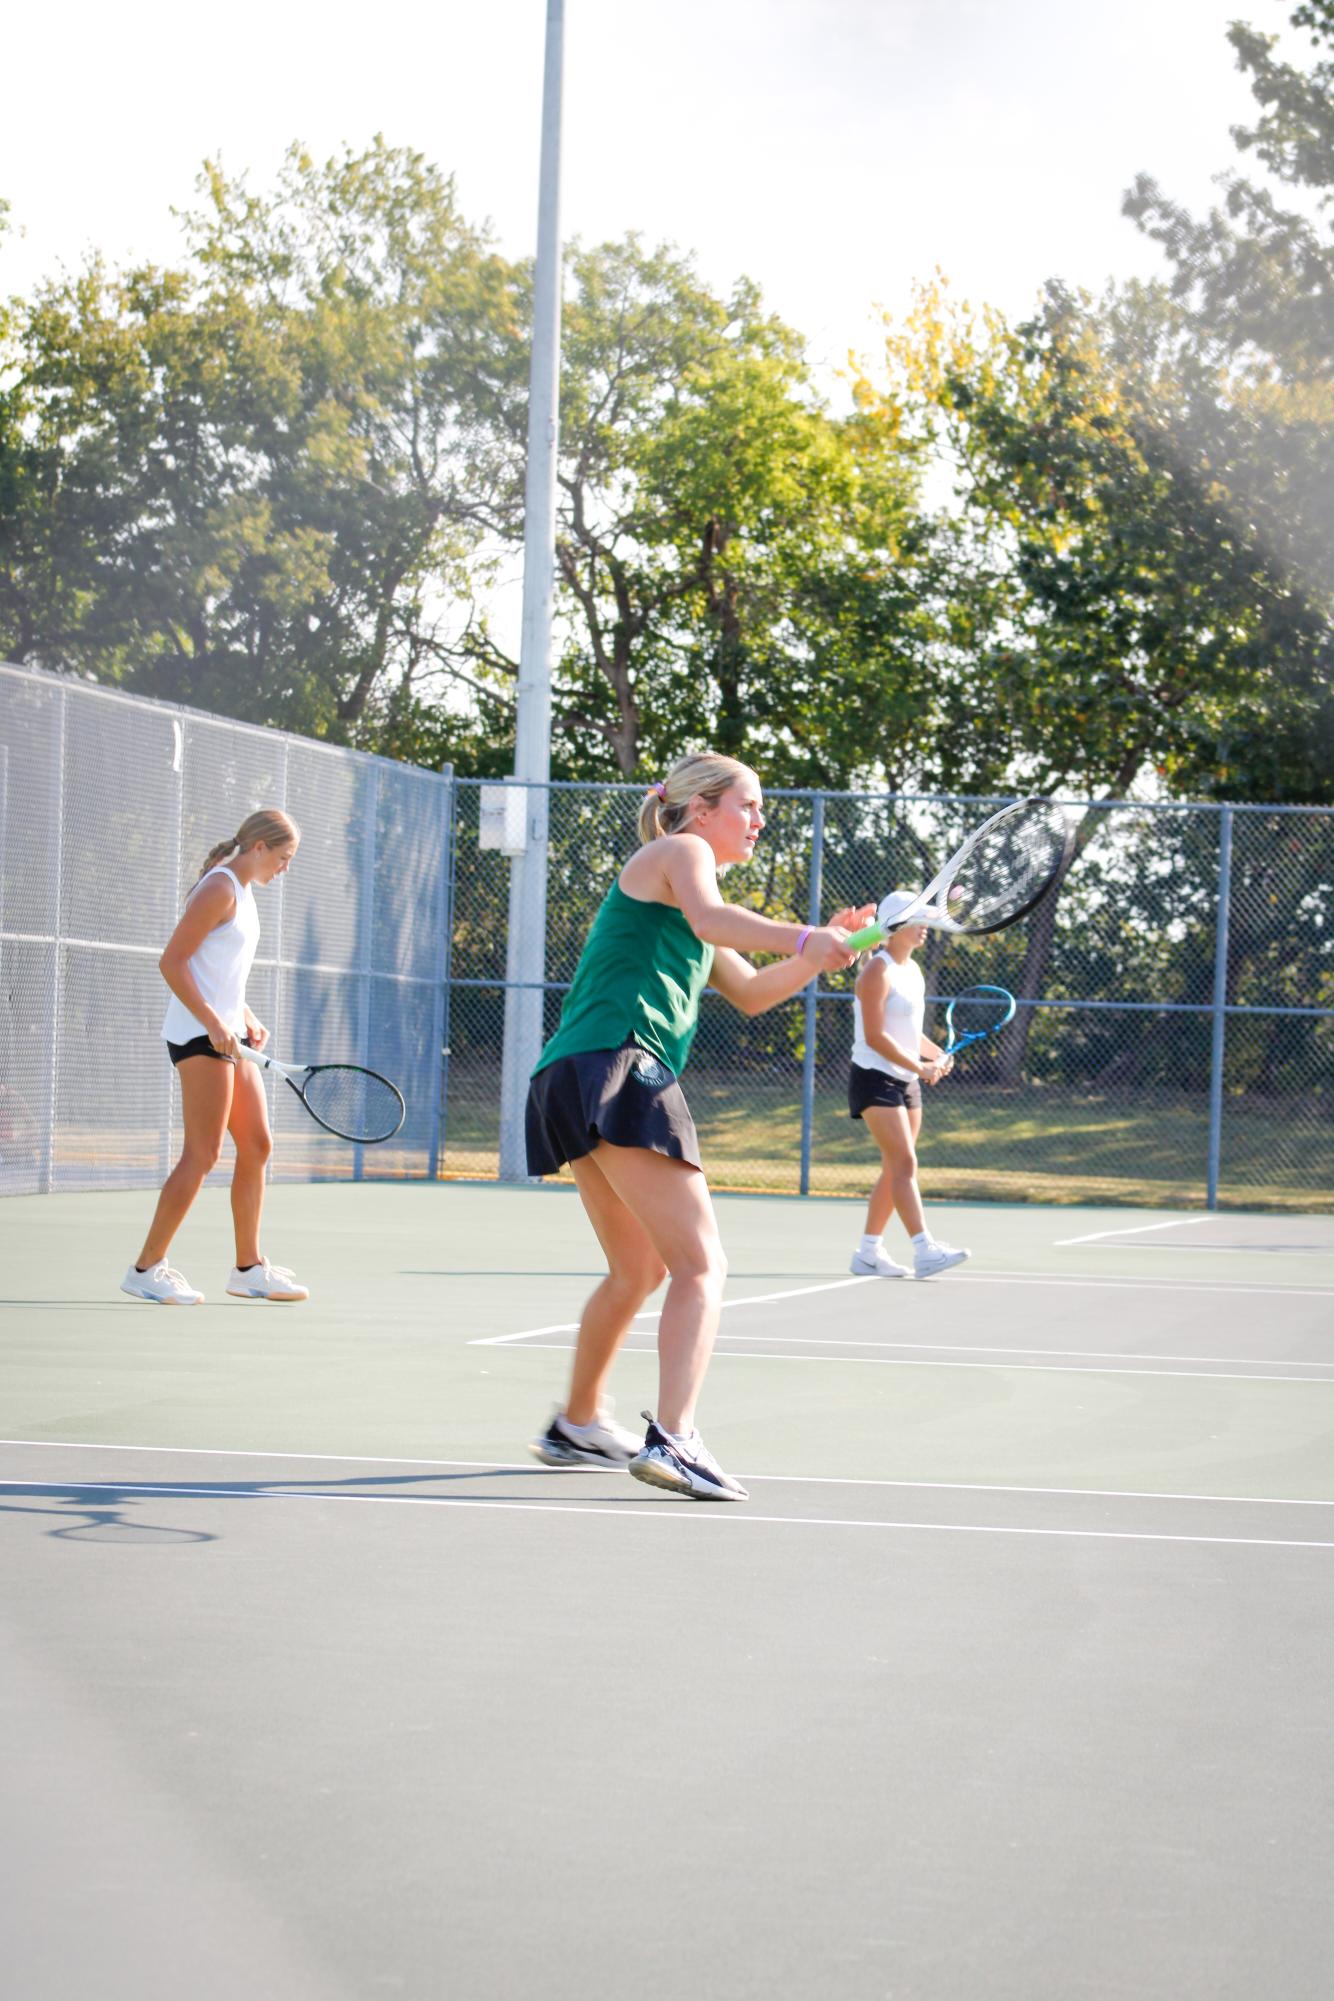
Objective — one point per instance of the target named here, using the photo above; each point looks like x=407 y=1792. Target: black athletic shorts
x=626 y=1096
x=199 y=1045
x=874 y=1087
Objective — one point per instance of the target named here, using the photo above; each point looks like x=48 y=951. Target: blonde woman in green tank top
x=605 y=1098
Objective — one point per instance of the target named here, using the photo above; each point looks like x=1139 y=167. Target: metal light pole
x=525 y=959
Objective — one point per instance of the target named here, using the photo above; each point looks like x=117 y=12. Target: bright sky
x=832 y=149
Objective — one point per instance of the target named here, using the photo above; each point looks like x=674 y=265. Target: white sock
x=921 y=1240
x=680 y=1437
x=870 y=1245
x=568 y=1426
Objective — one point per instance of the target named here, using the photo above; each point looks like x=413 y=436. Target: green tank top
x=639 y=978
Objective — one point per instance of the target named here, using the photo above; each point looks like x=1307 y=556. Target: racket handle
x=870 y=934
x=266 y=1062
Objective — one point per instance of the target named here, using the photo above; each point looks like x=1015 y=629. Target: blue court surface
x=1011 y=1681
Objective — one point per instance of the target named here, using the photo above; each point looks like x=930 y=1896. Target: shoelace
x=702 y=1456
x=163 y=1272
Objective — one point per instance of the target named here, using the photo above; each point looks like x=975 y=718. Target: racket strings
x=355 y=1103
x=1009 y=868
x=977 y=1013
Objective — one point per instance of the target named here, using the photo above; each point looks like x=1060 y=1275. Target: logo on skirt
x=646 y=1069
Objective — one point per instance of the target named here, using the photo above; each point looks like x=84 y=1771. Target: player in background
x=891 y=1059
x=206 y=964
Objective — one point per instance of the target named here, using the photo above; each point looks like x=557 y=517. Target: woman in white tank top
x=206 y=963
x=891 y=1059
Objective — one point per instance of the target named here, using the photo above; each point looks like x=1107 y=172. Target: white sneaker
x=933 y=1258
x=161 y=1283
x=603 y=1443
x=683 y=1466
x=881 y=1265
x=265 y=1281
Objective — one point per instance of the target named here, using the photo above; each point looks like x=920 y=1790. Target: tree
x=263 y=482
x=1109 y=617
x=1252 y=286
x=733 y=561
x=1105 y=614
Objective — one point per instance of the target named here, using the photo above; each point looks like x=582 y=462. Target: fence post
x=812 y=1000
x=443 y=968
x=366 y=944
x=1220 y=1003
x=166 y=1149
x=47 y=1169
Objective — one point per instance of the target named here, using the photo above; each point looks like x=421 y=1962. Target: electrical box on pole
x=502 y=822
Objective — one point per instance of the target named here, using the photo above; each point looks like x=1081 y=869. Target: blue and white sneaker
x=684 y=1467
x=603 y=1444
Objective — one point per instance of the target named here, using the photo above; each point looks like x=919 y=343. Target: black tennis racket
x=1001 y=872
x=349 y=1102
x=975 y=1014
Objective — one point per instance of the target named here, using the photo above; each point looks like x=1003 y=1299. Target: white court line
x=1054 y=1354
x=1232 y=1250
x=1181 y=1285
x=927 y=1362
x=1041 y=1278
x=658 y=1511
x=772 y=1479
x=527 y=1333
x=1138 y=1230
x=655 y=1312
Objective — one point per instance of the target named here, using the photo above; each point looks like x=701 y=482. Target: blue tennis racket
x=974 y=1015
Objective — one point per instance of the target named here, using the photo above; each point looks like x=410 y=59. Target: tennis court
x=1011 y=1680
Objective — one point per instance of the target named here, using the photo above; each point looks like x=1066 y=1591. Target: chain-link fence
x=1172 y=1045
x=1156 y=1057
x=108 y=805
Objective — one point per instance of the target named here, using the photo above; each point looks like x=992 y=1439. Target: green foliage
x=281 y=481
x=1252 y=292
x=1107 y=613
x=248 y=484
x=721 y=537
x=284 y=480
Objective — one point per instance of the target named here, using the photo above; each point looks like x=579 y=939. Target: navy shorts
x=199 y=1045
x=874 y=1087
x=625 y=1096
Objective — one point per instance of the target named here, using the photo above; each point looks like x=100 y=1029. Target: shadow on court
x=118 y=1502
x=108 y=1522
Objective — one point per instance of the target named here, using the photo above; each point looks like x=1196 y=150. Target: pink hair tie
x=802 y=936
x=661 y=790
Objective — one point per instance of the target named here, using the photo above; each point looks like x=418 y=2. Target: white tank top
x=905 y=1017
x=220 y=967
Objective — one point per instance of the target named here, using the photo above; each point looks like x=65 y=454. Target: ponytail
x=216 y=855
x=267 y=823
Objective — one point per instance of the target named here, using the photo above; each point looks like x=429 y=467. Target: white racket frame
x=928 y=907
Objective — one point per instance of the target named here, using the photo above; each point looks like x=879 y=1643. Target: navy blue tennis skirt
x=626 y=1096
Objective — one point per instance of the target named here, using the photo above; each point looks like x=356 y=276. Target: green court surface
x=1009 y=1682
